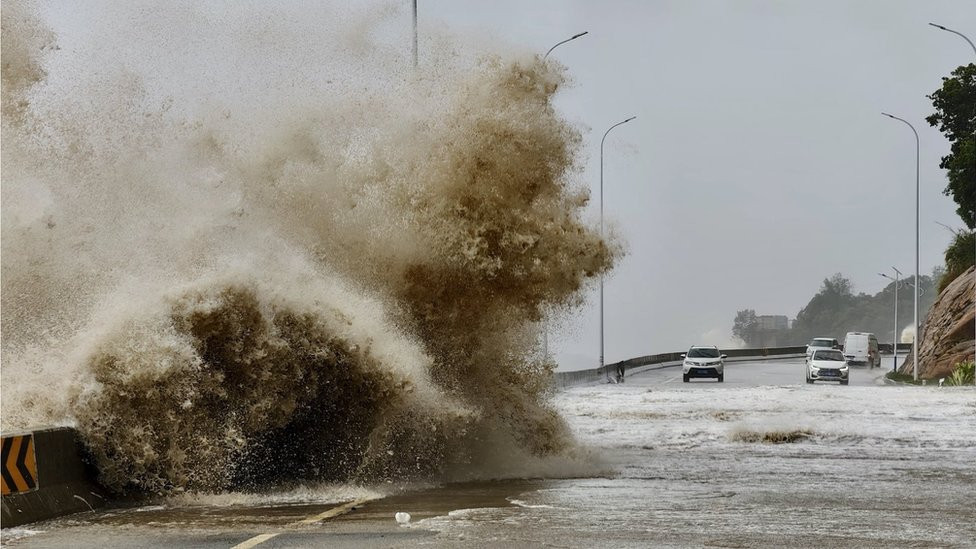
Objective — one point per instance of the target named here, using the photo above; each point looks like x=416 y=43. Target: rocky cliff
x=947 y=331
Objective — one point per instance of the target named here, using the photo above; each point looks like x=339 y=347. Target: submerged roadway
x=761 y=460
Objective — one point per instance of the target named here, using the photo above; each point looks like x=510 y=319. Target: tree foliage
x=836 y=310
x=819 y=317
x=959 y=256
x=955 y=115
x=746 y=327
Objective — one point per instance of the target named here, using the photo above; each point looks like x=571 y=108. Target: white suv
x=702 y=361
x=827 y=365
x=822 y=343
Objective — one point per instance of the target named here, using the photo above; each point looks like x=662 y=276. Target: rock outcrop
x=947 y=333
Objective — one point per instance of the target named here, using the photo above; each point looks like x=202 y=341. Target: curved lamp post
x=917 y=334
x=601 y=237
x=940 y=27
x=964 y=37
x=574 y=37
x=545 y=333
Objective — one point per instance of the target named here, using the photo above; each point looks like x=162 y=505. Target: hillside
x=947 y=333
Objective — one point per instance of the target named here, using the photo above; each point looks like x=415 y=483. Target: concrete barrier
x=45 y=476
x=668 y=360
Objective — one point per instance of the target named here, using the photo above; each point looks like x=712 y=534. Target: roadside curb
x=887 y=381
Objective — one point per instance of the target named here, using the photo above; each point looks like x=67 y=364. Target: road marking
x=256 y=540
x=331 y=513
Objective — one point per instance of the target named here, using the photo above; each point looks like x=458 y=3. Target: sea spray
x=339 y=280
x=228 y=383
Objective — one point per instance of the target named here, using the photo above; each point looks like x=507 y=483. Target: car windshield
x=696 y=352
x=822 y=343
x=828 y=354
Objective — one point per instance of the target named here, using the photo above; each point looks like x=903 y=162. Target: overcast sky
x=759 y=163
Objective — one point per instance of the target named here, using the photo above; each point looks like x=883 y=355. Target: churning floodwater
x=245 y=248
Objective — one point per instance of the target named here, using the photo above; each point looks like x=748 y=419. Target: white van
x=862 y=348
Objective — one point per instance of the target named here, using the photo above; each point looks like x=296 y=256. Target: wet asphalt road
x=679 y=465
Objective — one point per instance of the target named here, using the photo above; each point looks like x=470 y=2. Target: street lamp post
x=545 y=332
x=574 y=37
x=620 y=377
x=966 y=38
x=917 y=335
x=940 y=27
x=894 y=339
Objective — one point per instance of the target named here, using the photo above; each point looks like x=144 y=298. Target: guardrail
x=902 y=348
x=663 y=360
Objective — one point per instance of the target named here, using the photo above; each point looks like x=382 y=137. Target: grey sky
x=759 y=163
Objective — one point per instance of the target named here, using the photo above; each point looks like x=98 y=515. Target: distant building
x=768 y=323
x=772 y=330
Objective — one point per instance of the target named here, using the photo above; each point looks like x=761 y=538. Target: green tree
x=955 y=115
x=959 y=256
x=746 y=326
x=836 y=310
x=828 y=310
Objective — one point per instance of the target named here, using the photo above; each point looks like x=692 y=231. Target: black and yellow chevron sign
x=19 y=464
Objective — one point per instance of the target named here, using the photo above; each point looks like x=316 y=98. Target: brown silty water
x=339 y=280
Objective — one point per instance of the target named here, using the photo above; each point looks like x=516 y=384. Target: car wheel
x=684 y=378
x=810 y=381
x=844 y=382
x=721 y=378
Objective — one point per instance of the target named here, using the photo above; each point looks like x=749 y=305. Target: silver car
x=827 y=365
x=703 y=362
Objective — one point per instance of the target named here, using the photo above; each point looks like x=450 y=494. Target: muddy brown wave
x=342 y=283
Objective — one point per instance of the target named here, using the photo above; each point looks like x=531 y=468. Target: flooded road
x=688 y=465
